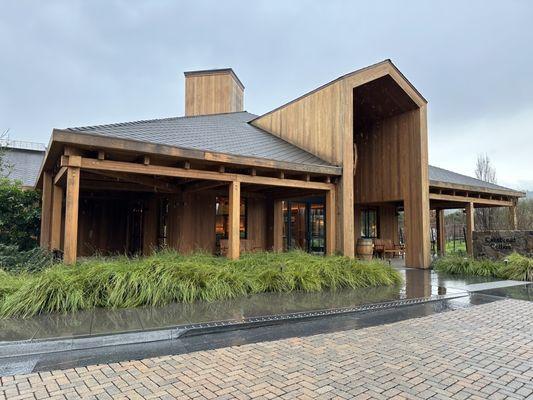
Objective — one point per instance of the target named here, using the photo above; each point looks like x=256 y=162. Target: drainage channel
x=44 y=346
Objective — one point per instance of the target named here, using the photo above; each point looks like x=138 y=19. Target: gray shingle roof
x=446 y=176
x=222 y=133
x=23 y=165
x=232 y=134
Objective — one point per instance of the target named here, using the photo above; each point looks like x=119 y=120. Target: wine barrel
x=365 y=248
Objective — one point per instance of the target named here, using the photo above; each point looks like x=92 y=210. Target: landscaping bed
x=515 y=267
x=167 y=277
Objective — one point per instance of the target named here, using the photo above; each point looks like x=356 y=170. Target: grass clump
x=168 y=276
x=515 y=267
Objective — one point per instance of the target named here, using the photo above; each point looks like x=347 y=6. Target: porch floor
x=417 y=284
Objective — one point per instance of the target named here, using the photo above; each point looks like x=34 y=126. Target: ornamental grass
x=515 y=267
x=167 y=276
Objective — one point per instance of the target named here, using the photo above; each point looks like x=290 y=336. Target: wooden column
x=330 y=222
x=46 y=210
x=469 y=228
x=346 y=193
x=513 y=221
x=441 y=233
x=57 y=205
x=234 y=220
x=278 y=226
x=416 y=191
x=71 y=212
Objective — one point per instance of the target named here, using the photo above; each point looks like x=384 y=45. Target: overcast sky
x=71 y=63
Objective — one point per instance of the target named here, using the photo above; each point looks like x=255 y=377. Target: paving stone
x=480 y=352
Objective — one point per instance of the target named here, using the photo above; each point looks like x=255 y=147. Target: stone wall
x=498 y=244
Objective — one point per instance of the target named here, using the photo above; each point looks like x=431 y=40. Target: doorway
x=304 y=226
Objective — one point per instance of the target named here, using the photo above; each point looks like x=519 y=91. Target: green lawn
x=167 y=277
x=460 y=247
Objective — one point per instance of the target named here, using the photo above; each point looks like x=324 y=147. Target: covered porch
x=99 y=199
x=448 y=197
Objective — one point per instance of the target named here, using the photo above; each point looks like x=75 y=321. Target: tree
x=485 y=217
x=5 y=167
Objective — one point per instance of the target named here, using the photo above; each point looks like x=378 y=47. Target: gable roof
x=443 y=176
x=385 y=63
x=228 y=133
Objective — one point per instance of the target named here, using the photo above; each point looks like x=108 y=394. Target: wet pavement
x=187 y=344
x=417 y=284
x=441 y=293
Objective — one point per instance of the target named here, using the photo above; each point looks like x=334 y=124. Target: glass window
x=369 y=223
x=222 y=218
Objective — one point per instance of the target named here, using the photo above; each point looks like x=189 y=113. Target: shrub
x=518 y=268
x=20 y=215
x=14 y=260
x=170 y=277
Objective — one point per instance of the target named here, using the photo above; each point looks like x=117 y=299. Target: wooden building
x=341 y=161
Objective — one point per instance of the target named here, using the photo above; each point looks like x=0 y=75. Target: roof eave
x=93 y=141
x=479 y=189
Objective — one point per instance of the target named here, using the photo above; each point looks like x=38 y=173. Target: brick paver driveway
x=480 y=352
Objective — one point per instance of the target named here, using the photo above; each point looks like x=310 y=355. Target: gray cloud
x=71 y=63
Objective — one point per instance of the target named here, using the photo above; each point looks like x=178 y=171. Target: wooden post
x=513 y=221
x=234 y=220
x=330 y=222
x=57 y=204
x=278 y=226
x=71 y=214
x=441 y=233
x=469 y=228
x=46 y=210
x=416 y=192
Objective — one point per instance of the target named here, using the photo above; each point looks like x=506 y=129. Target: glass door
x=304 y=227
x=298 y=226
x=317 y=231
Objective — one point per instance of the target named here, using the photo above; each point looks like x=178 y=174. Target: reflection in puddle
x=417 y=284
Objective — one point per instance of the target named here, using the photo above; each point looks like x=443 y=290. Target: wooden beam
x=140 y=180
x=61 y=176
x=146 y=160
x=101 y=155
x=46 y=210
x=120 y=166
x=125 y=145
x=474 y=200
x=71 y=215
x=57 y=205
x=441 y=232
x=469 y=228
x=278 y=226
x=330 y=222
x=234 y=217
x=476 y=189
x=203 y=185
